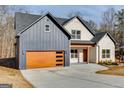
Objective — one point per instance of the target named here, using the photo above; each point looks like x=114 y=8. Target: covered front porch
x=80 y=53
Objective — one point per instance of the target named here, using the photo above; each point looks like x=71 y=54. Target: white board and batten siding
x=75 y=24
x=95 y=54
x=106 y=43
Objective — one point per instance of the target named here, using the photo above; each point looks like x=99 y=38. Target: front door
x=85 y=55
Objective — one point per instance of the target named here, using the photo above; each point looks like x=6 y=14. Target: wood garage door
x=41 y=59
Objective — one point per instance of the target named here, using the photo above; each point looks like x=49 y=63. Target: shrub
x=100 y=62
x=106 y=62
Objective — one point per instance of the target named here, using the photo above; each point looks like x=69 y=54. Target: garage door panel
x=43 y=59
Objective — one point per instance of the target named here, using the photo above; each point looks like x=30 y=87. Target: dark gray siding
x=35 y=38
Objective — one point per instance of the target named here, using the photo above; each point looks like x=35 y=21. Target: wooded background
x=112 y=22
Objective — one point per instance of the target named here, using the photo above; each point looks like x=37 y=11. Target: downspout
x=98 y=53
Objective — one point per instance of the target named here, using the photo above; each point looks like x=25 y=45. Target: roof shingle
x=98 y=36
x=23 y=20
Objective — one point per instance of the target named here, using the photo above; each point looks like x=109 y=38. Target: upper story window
x=76 y=34
x=47 y=28
x=105 y=53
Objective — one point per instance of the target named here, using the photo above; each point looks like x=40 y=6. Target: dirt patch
x=14 y=77
x=115 y=70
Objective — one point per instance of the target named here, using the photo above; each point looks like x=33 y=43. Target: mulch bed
x=115 y=70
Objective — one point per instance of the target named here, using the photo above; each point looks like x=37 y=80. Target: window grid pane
x=74 y=53
x=73 y=32
x=103 y=56
x=76 y=34
x=105 y=53
x=47 y=27
x=107 y=56
x=73 y=36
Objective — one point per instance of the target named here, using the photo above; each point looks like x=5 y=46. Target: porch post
x=88 y=55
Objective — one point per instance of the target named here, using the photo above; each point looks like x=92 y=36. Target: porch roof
x=82 y=42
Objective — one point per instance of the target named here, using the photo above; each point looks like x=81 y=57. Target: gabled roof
x=85 y=23
x=22 y=20
x=100 y=35
x=53 y=20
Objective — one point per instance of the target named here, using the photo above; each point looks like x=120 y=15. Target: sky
x=89 y=12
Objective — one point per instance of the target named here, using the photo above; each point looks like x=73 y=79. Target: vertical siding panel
x=34 y=36
x=39 y=35
x=54 y=38
x=36 y=39
x=43 y=40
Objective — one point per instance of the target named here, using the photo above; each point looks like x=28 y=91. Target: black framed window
x=76 y=34
x=105 y=53
x=74 y=53
x=47 y=28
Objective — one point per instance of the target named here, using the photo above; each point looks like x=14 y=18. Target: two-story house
x=47 y=41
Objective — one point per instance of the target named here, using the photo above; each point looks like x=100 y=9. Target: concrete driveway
x=75 y=76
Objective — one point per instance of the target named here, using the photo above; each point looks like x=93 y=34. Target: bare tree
x=3 y=12
x=120 y=27
x=8 y=39
x=93 y=25
x=109 y=20
x=20 y=8
x=7 y=33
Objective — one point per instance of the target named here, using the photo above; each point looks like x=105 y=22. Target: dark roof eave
x=85 y=25
x=69 y=36
x=81 y=22
x=115 y=42
x=109 y=37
